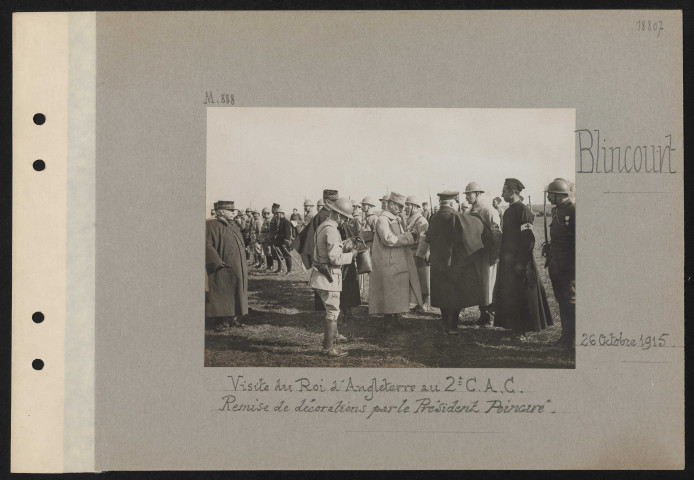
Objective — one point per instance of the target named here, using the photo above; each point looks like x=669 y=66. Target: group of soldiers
x=463 y=253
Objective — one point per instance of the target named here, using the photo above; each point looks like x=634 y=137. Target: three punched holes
x=39 y=165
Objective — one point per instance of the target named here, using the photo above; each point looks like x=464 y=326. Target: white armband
x=526 y=226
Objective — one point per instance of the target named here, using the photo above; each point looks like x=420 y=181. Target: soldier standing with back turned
x=561 y=258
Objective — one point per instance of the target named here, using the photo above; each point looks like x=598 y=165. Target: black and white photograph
x=390 y=237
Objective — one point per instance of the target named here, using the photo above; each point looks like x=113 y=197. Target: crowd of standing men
x=464 y=253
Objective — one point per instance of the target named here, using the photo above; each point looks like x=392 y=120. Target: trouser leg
x=565 y=292
x=331 y=301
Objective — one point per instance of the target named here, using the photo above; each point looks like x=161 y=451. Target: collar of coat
x=223 y=220
x=446 y=208
x=388 y=214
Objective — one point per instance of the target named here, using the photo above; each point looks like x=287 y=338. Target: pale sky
x=257 y=156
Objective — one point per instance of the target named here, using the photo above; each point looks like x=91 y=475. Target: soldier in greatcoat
x=490 y=217
x=416 y=222
x=330 y=254
x=561 y=258
x=227 y=270
x=457 y=257
x=519 y=297
x=394 y=276
x=283 y=239
x=264 y=237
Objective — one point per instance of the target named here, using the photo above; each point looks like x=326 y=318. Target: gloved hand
x=287 y=245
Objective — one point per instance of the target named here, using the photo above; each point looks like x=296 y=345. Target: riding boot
x=269 y=261
x=288 y=260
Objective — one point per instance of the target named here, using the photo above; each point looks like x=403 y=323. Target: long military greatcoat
x=228 y=286
x=491 y=218
x=458 y=259
x=519 y=297
x=394 y=276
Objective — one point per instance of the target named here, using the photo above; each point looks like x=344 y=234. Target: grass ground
x=282 y=330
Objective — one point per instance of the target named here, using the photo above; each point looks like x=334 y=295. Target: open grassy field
x=282 y=330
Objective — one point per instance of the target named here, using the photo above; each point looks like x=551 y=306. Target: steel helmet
x=308 y=203
x=474 y=187
x=413 y=200
x=343 y=206
x=369 y=201
x=321 y=203
x=559 y=185
x=249 y=209
x=266 y=210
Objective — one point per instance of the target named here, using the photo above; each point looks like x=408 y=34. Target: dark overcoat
x=519 y=297
x=457 y=259
x=228 y=285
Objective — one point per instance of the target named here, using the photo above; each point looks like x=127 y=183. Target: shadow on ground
x=283 y=330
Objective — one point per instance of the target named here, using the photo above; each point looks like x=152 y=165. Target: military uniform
x=226 y=268
x=283 y=240
x=420 y=251
x=329 y=256
x=562 y=265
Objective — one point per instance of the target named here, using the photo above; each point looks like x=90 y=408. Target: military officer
x=272 y=236
x=226 y=268
x=457 y=258
x=561 y=259
x=264 y=238
x=283 y=239
x=330 y=253
x=490 y=217
x=496 y=204
x=420 y=250
x=394 y=276
x=368 y=205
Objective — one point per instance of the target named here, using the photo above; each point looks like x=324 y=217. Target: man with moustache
x=394 y=276
x=519 y=297
x=329 y=255
x=227 y=270
x=457 y=259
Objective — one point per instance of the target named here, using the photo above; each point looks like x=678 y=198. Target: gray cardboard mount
x=155 y=403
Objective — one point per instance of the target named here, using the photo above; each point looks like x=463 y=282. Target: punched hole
x=37 y=317
x=39 y=165
x=37 y=364
x=39 y=119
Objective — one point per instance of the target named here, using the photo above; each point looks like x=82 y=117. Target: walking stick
x=300 y=261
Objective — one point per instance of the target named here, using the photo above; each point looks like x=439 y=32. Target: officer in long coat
x=519 y=297
x=227 y=270
x=490 y=217
x=456 y=258
x=394 y=276
x=561 y=259
x=420 y=251
x=329 y=255
x=255 y=239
